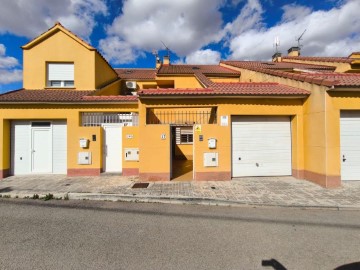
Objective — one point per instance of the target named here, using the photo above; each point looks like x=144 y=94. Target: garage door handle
x=344 y=159
x=239 y=158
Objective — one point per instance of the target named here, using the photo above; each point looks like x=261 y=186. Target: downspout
x=326 y=141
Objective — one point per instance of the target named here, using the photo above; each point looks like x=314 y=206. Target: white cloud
x=8 y=71
x=203 y=57
x=10 y=76
x=250 y=17
x=119 y=51
x=293 y=12
x=33 y=18
x=326 y=30
x=184 y=26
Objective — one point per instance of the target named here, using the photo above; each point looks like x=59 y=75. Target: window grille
x=184 y=135
x=181 y=117
x=91 y=119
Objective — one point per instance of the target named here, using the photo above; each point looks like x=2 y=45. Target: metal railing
x=93 y=119
x=181 y=117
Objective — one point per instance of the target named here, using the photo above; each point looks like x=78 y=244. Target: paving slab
x=269 y=191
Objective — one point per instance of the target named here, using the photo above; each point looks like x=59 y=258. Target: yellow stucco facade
x=91 y=71
x=314 y=118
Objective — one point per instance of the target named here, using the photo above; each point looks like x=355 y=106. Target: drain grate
x=140 y=185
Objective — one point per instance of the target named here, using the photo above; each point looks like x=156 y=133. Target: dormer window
x=60 y=75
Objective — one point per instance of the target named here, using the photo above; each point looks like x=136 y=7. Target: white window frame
x=62 y=75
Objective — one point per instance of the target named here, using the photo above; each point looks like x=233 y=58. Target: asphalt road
x=114 y=235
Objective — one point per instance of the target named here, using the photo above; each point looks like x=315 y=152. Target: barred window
x=184 y=135
x=93 y=119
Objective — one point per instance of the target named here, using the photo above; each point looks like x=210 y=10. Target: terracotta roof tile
x=122 y=98
x=258 y=89
x=278 y=65
x=192 y=69
x=203 y=79
x=325 y=78
x=59 y=95
x=320 y=59
x=340 y=79
x=230 y=89
x=136 y=74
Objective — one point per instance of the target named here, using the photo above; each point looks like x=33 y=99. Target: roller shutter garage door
x=261 y=146
x=350 y=145
x=38 y=147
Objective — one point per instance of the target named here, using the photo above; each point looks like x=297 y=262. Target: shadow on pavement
x=350 y=266
x=6 y=189
x=274 y=264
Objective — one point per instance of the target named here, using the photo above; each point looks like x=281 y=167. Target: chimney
x=294 y=51
x=166 y=60
x=354 y=55
x=276 y=57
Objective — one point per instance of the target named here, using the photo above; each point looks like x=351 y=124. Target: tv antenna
x=277 y=44
x=167 y=48
x=299 y=39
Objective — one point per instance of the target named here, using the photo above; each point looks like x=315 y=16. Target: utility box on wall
x=212 y=143
x=131 y=154
x=211 y=159
x=84 y=158
x=84 y=143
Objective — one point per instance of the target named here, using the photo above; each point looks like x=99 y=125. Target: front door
x=41 y=150
x=112 y=148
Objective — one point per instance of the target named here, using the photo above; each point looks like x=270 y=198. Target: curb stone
x=194 y=200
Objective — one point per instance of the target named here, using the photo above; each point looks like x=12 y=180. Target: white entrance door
x=112 y=148
x=38 y=147
x=261 y=146
x=350 y=146
x=41 y=150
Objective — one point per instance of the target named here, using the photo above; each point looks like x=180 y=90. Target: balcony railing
x=93 y=119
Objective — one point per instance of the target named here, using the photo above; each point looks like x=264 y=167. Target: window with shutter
x=184 y=135
x=60 y=75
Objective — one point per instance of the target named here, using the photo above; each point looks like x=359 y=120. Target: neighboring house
x=77 y=115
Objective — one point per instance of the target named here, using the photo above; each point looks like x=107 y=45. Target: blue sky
x=196 y=31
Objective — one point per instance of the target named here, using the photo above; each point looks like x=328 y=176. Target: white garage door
x=38 y=147
x=261 y=146
x=350 y=145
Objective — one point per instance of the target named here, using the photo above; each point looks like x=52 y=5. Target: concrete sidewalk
x=268 y=191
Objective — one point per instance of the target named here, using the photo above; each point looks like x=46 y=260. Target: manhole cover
x=140 y=185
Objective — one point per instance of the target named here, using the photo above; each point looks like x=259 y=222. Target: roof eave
x=57 y=27
x=349 y=88
x=67 y=103
x=301 y=96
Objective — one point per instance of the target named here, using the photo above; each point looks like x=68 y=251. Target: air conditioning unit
x=131 y=85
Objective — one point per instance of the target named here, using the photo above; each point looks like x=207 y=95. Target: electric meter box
x=84 y=158
x=211 y=159
x=131 y=154
x=84 y=143
x=212 y=143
